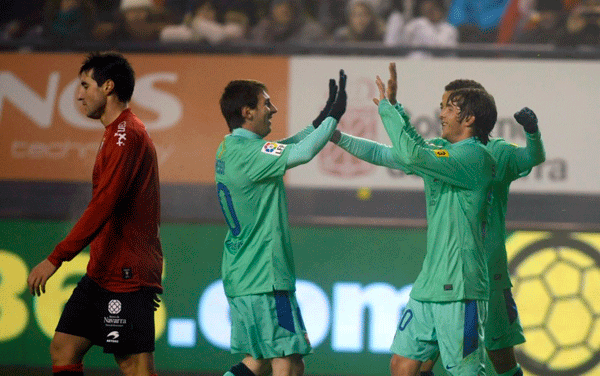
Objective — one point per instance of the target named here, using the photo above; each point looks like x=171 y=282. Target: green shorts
x=502 y=328
x=267 y=326
x=452 y=329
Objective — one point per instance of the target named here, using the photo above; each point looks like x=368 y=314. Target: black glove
x=332 y=92
x=526 y=117
x=155 y=301
x=339 y=106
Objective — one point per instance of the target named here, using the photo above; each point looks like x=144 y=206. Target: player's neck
x=464 y=134
x=112 y=111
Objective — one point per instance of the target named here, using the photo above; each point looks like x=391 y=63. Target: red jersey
x=122 y=220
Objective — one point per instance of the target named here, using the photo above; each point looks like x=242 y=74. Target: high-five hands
x=381 y=87
x=339 y=105
x=392 y=88
x=323 y=114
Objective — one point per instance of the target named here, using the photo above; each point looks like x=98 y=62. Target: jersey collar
x=242 y=132
x=467 y=141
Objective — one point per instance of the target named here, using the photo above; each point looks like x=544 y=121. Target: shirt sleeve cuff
x=54 y=260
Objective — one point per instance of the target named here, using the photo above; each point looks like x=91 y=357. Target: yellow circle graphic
x=556 y=278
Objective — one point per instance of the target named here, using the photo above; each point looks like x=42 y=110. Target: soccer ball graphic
x=114 y=307
x=556 y=282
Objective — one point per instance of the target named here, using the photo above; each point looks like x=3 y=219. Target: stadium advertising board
x=352 y=288
x=46 y=137
x=544 y=86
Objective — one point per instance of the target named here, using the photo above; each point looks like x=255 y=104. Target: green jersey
x=257 y=254
x=458 y=182
x=513 y=162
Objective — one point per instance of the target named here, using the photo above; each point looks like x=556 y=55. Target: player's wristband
x=336 y=136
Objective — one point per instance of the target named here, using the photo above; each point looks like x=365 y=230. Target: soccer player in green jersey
x=503 y=328
x=448 y=302
x=258 y=265
x=513 y=162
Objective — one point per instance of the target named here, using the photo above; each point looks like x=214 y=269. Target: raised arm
x=318 y=120
x=533 y=154
x=368 y=150
x=391 y=92
x=307 y=149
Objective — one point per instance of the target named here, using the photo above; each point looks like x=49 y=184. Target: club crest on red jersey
x=121 y=133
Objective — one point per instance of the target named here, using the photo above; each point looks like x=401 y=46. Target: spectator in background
x=262 y=9
x=204 y=24
x=137 y=20
x=251 y=8
x=582 y=26
x=400 y=13
x=179 y=8
x=477 y=20
x=330 y=14
x=21 y=19
x=106 y=9
x=363 y=23
x=430 y=29
x=287 y=22
x=69 y=20
x=544 y=25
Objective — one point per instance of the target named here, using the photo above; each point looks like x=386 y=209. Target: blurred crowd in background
x=426 y=23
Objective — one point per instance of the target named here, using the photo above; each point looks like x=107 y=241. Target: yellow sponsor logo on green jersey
x=441 y=153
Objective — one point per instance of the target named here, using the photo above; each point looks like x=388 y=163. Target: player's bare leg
x=427 y=368
x=503 y=360
x=136 y=364
x=401 y=366
x=67 y=349
x=258 y=367
x=292 y=365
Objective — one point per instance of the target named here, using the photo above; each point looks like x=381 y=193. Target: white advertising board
x=564 y=94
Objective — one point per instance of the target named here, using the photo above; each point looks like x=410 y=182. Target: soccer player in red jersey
x=113 y=304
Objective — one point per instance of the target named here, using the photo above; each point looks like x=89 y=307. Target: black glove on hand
x=156 y=302
x=332 y=92
x=526 y=117
x=339 y=106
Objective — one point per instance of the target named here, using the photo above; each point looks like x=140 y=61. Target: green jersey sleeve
x=307 y=149
x=412 y=132
x=513 y=162
x=298 y=136
x=380 y=154
x=370 y=151
x=516 y=161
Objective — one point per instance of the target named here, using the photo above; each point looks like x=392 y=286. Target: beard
x=96 y=112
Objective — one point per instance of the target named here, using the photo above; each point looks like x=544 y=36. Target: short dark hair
x=480 y=104
x=111 y=66
x=463 y=83
x=239 y=94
